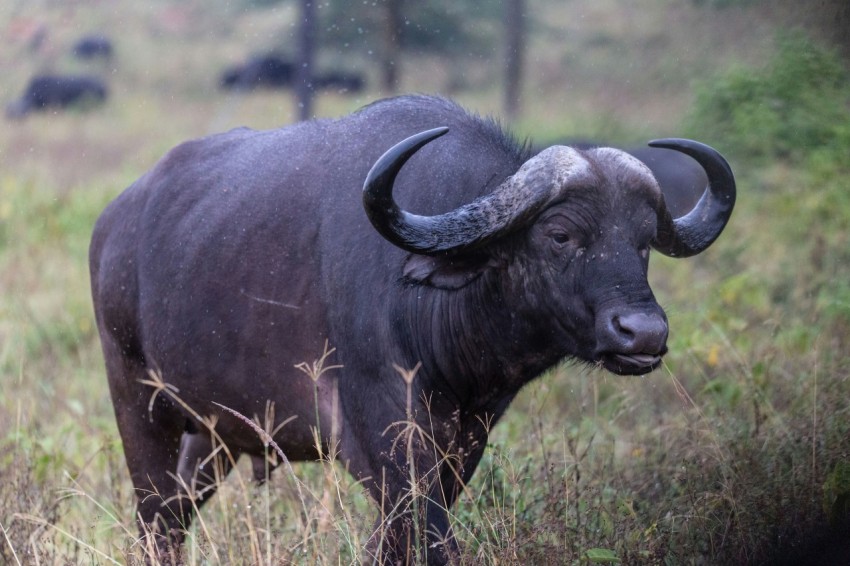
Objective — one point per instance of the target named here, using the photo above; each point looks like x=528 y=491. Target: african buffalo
x=46 y=92
x=243 y=254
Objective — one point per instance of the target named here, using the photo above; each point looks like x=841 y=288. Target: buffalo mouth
x=630 y=364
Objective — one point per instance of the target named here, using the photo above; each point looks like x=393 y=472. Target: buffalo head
x=582 y=225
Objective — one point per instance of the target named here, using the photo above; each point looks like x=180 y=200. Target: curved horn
x=692 y=233
x=405 y=230
x=472 y=224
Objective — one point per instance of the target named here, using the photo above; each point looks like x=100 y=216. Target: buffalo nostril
x=624 y=330
x=639 y=332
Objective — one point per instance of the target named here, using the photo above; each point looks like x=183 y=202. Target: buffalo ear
x=445 y=272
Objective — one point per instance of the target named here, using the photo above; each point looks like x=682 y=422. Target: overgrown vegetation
x=794 y=105
x=737 y=451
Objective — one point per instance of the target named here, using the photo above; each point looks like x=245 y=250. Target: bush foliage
x=797 y=103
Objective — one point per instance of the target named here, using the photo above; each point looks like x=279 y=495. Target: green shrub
x=794 y=105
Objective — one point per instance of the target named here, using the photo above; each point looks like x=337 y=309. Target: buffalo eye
x=560 y=238
x=644 y=252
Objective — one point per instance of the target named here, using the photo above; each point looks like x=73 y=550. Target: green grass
x=736 y=451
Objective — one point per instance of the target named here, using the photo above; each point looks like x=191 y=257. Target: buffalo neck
x=470 y=345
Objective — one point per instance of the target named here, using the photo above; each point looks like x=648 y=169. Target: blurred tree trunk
x=392 y=45
x=306 y=54
x=513 y=21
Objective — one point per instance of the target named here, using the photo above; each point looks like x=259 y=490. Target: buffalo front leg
x=414 y=527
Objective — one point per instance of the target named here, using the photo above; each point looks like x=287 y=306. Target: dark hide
x=239 y=255
x=50 y=92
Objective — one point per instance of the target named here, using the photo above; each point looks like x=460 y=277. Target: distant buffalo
x=682 y=180
x=93 y=47
x=347 y=82
x=273 y=71
x=260 y=71
x=46 y=92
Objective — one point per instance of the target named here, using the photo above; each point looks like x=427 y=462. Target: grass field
x=736 y=451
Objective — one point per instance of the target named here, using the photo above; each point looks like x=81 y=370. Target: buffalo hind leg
x=202 y=465
x=151 y=448
x=150 y=432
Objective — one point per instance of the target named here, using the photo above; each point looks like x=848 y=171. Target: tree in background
x=391 y=59
x=514 y=26
x=383 y=31
x=306 y=56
